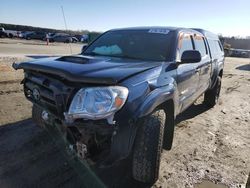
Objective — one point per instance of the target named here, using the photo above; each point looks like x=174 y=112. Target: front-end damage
x=89 y=136
x=102 y=135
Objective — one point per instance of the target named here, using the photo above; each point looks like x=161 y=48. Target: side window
x=220 y=46
x=215 y=47
x=184 y=43
x=200 y=45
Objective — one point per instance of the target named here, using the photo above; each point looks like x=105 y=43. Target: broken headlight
x=97 y=102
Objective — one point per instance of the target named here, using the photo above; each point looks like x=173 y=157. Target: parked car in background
x=11 y=33
x=240 y=53
x=82 y=38
x=23 y=34
x=74 y=39
x=8 y=33
x=36 y=35
x=61 y=38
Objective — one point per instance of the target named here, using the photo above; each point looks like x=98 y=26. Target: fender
x=215 y=77
x=218 y=68
x=166 y=95
x=157 y=97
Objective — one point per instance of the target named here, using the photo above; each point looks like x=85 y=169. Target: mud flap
x=169 y=133
x=122 y=144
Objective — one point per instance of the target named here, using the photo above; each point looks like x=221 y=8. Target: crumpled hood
x=88 y=69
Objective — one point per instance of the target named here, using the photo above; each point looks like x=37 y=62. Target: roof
x=147 y=27
x=207 y=34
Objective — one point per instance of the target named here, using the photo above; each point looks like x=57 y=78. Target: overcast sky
x=230 y=18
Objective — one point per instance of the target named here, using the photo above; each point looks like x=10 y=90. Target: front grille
x=49 y=93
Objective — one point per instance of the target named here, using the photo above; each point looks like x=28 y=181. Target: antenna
x=66 y=26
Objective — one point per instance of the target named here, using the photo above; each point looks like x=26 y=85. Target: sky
x=226 y=17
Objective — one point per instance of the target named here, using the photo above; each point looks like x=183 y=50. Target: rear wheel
x=148 y=147
x=212 y=96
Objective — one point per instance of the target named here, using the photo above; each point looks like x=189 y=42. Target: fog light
x=45 y=115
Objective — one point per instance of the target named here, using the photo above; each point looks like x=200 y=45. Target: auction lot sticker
x=159 y=31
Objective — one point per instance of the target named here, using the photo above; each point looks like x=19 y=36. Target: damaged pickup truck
x=119 y=98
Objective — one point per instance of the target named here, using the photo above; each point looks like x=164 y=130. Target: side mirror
x=191 y=56
x=84 y=47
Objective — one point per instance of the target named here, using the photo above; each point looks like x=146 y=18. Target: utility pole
x=66 y=26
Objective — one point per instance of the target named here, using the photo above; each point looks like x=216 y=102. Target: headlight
x=97 y=102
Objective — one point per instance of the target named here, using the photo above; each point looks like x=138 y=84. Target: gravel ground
x=210 y=145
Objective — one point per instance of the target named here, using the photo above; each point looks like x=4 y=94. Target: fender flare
x=217 y=69
x=157 y=97
x=215 y=77
x=165 y=97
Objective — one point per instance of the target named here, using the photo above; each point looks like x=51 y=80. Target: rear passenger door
x=205 y=64
x=217 y=56
x=187 y=74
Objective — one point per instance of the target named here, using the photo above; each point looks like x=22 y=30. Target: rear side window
x=185 y=43
x=215 y=47
x=200 y=45
x=220 y=47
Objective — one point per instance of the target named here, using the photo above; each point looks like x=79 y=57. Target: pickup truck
x=119 y=98
x=8 y=33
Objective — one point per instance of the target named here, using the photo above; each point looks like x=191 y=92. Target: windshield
x=150 y=44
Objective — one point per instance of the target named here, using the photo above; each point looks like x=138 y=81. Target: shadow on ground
x=191 y=112
x=244 y=67
x=29 y=158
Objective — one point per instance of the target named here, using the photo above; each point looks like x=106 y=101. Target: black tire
x=211 y=97
x=37 y=116
x=148 y=147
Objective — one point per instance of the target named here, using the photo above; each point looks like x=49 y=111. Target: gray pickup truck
x=120 y=97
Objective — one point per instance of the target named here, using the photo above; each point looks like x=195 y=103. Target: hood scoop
x=74 y=59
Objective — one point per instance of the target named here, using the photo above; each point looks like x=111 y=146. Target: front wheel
x=212 y=96
x=148 y=146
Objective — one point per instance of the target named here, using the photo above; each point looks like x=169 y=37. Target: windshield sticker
x=159 y=31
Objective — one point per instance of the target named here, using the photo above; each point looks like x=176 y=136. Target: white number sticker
x=159 y=30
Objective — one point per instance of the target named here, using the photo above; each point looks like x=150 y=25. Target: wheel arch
x=221 y=73
x=162 y=98
x=169 y=108
x=159 y=97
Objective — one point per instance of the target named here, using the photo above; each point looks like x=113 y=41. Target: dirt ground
x=211 y=146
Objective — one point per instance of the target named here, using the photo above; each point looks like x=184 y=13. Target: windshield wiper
x=126 y=56
x=91 y=53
